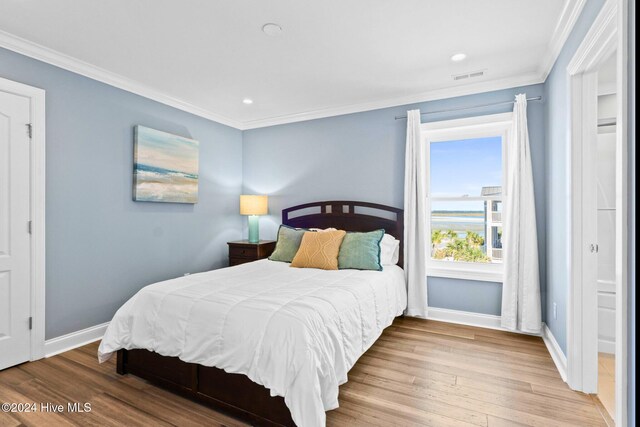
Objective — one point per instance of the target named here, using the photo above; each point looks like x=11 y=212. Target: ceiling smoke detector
x=272 y=29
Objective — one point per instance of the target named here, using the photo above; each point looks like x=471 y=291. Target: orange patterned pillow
x=319 y=250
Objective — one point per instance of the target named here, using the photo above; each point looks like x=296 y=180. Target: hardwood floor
x=418 y=373
x=607 y=383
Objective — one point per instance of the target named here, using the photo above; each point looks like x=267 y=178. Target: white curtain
x=415 y=218
x=521 y=286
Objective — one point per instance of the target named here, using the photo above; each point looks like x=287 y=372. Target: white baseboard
x=464 y=318
x=557 y=355
x=74 y=340
x=468 y=318
x=606 y=346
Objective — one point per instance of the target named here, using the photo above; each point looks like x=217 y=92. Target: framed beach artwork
x=165 y=167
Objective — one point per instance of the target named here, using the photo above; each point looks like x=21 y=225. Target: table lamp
x=253 y=206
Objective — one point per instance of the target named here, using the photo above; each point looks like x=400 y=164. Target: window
x=466 y=162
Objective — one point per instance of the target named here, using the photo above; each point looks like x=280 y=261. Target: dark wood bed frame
x=236 y=393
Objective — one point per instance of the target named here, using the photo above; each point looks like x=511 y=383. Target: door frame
x=36 y=98
x=607 y=35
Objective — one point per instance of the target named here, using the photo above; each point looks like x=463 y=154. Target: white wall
x=607 y=106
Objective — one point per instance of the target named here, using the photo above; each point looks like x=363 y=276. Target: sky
x=463 y=167
x=161 y=149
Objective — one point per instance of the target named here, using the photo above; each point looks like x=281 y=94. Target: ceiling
x=332 y=57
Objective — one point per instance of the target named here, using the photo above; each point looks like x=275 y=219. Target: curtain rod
x=535 y=98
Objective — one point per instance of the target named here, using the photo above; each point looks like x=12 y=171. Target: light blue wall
x=557 y=177
x=465 y=295
x=361 y=157
x=101 y=246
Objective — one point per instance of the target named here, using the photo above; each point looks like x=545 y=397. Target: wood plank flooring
x=418 y=373
x=607 y=383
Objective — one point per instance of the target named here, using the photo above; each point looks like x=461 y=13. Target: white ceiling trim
x=53 y=57
x=568 y=18
x=450 y=92
x=566 y=22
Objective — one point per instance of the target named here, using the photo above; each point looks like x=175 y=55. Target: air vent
x=470 y=75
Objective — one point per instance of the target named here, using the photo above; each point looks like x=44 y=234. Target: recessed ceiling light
x=458 y=57
x=271 y=29
x=247 y=101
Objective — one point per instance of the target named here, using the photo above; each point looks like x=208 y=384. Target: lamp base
x=254 y=229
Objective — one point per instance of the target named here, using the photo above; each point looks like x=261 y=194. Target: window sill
x=480 y=275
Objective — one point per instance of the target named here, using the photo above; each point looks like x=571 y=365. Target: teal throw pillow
x=361 y=251
x=288 y=242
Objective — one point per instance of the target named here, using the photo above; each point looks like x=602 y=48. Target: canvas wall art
x=165 y=167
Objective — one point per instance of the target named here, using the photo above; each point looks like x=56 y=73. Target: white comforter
x=295 y=331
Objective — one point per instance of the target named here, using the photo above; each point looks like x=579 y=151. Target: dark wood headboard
x=349 y=216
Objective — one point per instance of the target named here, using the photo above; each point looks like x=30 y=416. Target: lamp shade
x=253 y=205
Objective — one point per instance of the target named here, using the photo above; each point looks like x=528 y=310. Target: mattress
x=295 y=331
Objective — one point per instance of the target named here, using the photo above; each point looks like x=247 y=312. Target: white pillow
x=389 y=250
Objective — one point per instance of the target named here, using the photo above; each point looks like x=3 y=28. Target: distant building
x=493 y=221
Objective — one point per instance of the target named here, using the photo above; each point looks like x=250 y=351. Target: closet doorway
x=597 y=300
x=605 y=172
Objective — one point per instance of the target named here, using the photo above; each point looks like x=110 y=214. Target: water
x=155 y=184
x=461 y=224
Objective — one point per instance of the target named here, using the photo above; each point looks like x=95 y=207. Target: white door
x=15 y=286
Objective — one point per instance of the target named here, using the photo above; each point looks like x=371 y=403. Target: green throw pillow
x=361 y=251
x=289 y=239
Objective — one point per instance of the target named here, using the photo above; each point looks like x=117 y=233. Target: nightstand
x=242 y=251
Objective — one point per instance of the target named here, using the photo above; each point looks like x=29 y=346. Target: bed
x=266 y=342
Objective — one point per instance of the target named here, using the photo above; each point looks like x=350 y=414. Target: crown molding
x=568 y=18
x=61 y=60
x=444 y=93
x=58 y=59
